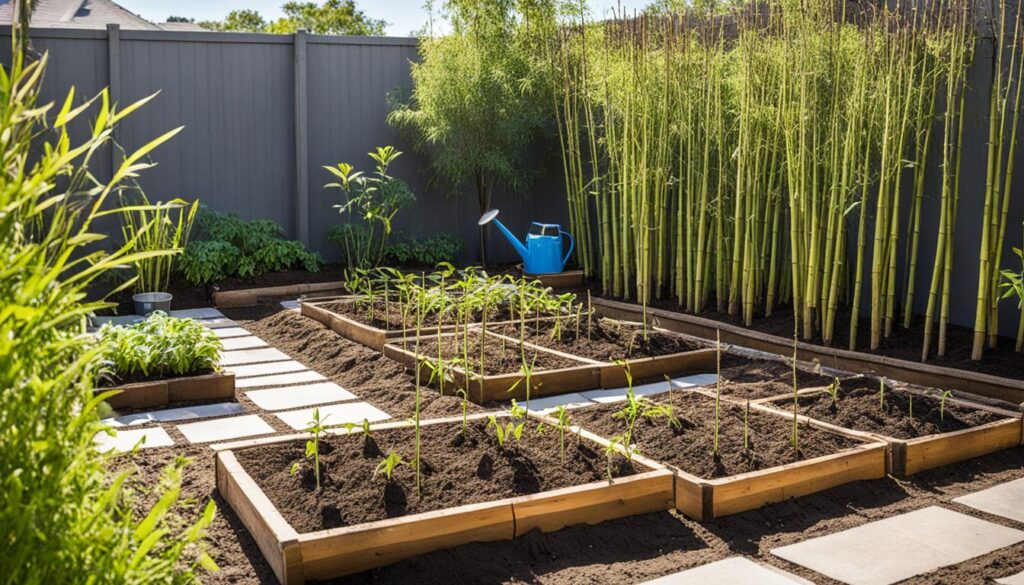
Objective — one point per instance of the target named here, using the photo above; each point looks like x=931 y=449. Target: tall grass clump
x=64 y=514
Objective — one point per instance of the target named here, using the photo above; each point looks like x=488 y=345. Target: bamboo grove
x=777 y=157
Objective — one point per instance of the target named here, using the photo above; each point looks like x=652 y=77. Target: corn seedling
x=388 y=465
x=316 y=428
x=833 y=391
x=942 y=404
x=795 y=439
x=718 y=388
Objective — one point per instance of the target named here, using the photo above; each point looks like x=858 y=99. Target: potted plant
x=155 y=232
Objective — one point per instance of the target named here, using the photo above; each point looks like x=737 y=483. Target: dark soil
x=388 y=316
x=860 y=408
x=629 y=550
x=605 y=341
x=905 y=344
x=500 y=357
x=367 y=373
x=689 y=445
x=751 y=379
x=457 y=470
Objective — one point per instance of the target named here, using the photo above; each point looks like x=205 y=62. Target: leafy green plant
x=388 y=464
x=428 y=251
x=228 y=246
x=610 y=451
x=369 y=204
x=640 y=407
x=511 y=429
x=158 y=347
x=1013 y=286
x=67 y=509
x=162 y=228
x=316 y=428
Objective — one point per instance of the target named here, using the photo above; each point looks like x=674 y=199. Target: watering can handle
x=572 y=244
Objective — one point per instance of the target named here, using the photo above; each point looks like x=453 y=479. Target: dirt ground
x=629 y=550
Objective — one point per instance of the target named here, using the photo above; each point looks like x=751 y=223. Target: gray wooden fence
x=262 y=114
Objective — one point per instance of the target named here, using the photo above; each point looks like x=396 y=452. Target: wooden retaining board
x=325 y=554
x=586 y=376
x=905 y=457
x=1005 y=389
x=704 y=499
x=248 y=297
x=564 y=279
x=216 y=386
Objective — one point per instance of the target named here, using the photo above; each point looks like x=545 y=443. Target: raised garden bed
x=939 y=433
x=921 y=374
x=740 y=478
x=473 y=490
x=502 y=377
x=564 y=279
x=344 y=317
x=147 y=394
x=650 y=352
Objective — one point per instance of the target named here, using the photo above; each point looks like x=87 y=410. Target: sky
x=404 y=16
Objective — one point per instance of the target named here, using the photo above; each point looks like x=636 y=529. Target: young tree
x=478 y=100
x=333 y=17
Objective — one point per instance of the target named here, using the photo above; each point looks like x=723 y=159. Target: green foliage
x=65 y=514
x=428 y=251
x=333 y=17
x=512 y=429
x=159 y=347
x=316 y=428
x=369 y=204
x=388 y=464
x=480 y=95
x=1013 y=282
x=233 y=247
x=159 y=228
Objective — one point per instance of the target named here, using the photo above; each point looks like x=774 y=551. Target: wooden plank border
x=247 y=297
x=324 y=554
x=220 y=385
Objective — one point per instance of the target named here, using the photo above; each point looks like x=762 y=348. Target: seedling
x=640 y=406
x=610 y=451
x=795 y=439
x=512 y=428
x=746 y=428
x=881 y=394
x=364 y=427
x=718 y=388
x=910 y=397
x=942 y=405
x=563 y=424
x=388 y=464
x=833 y=391
x=316 y=428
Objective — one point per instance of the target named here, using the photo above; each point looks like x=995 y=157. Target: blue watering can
x=542 y=253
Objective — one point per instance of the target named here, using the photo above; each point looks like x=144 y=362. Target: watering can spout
x=491 y=216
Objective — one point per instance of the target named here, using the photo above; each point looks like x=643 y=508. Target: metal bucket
x=146 y=303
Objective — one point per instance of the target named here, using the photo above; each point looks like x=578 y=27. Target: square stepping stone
x=224 y=429
x=202 y=313
x=226 y=332
x=279 y=379
x=217 y=323
x=731 y=571
x=296 y=396
x=1017 y=579
x=1002 y=500
x=266 y=369
x=117 y=320
x=252 y=356
x=177 y=414
x=619 y=394
x=333 y=415
x=549 y=404
x=235 y=343
x=897 y=548
x=125 y=440
x=290 y=305
x=695 y=380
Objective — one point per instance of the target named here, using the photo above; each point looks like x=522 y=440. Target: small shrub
x=161 y=346
x=428 y=251
x=233 y=247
